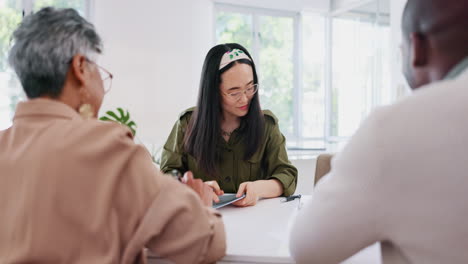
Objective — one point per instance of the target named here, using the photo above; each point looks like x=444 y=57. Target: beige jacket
x=81 y=191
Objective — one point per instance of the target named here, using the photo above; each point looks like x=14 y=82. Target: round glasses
x=106 y=77
x=237 y=95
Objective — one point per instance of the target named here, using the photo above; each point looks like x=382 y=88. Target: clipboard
x=226 y=199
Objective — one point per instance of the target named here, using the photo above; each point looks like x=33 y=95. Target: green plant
x=123 y=117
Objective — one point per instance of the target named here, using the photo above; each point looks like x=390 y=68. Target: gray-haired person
x=77 y=190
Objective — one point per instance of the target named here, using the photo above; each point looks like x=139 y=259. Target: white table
x=260 y=234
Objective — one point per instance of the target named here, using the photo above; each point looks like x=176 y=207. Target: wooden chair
x=323 y=166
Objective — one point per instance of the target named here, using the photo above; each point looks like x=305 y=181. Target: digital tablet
x=227 y=198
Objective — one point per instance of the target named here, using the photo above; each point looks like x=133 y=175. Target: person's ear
x=78 y=68
x=419 y=50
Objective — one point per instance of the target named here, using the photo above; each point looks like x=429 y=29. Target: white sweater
x=402 y=180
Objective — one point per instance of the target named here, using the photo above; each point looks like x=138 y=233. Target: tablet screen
x=227 y=198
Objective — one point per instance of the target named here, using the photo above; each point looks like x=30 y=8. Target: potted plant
x=123 y=117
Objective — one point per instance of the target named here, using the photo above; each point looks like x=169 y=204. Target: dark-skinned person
x=402 y=178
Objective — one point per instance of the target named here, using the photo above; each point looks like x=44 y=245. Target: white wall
x=155 y=49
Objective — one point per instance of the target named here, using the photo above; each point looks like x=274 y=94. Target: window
x=320 y=74
x=10 y=16
x=235 y=26
x=311 y=112
x=358 y=66
x=79 y=5
x=271 y=38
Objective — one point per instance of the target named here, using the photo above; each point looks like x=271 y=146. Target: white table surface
x=260 y=234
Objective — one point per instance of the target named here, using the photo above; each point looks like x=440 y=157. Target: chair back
x=323 y=166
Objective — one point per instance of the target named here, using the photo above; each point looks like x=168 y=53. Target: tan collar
x=45 y=107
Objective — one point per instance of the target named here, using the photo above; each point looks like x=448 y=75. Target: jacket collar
x=45 y=108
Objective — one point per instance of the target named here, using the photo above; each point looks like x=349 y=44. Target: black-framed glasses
x=237 y=95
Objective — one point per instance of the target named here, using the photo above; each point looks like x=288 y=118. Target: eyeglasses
x=237 y=95
x=106 y=77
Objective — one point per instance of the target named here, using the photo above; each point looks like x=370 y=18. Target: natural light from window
x=10 y=16
x=320 y=89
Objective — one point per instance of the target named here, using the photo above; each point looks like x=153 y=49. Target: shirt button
x=227 y=179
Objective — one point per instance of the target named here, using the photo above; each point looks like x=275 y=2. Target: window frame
x=376 y=99
x=26 y=7
x=296 y=135
x=331 y=143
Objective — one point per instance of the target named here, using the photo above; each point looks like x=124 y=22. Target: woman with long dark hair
x=227 y=140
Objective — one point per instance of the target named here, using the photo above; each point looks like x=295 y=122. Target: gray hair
x=44 y=45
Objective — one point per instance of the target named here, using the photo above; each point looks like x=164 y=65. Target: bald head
x=436 y=33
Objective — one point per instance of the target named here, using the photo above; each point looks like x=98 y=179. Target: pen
x=291 y=198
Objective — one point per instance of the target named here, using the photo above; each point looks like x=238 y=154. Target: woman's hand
x=256 y=190
x=251 y=194
x=204 y=191
x=215 y=186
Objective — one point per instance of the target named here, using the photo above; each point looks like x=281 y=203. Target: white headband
x=233 y=55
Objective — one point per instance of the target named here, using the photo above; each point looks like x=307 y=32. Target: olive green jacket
x=269 y=162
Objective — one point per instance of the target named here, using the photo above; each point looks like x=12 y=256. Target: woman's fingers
x=215 y=198
x=187 y=176
x=241 y=190
x=204 y=192
x=215 y=186
x=239 y=203
x=251 y=196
